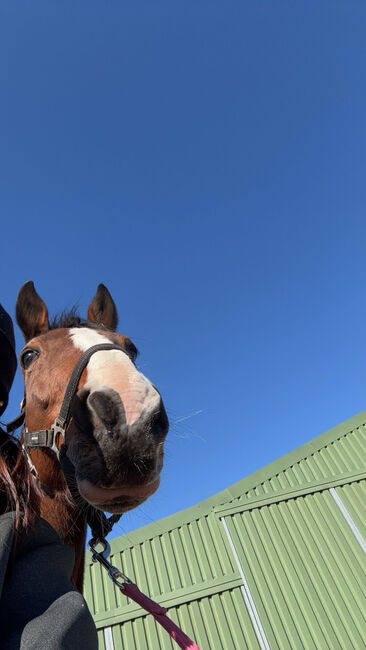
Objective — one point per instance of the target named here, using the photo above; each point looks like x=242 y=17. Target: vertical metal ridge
x=353 y=496
x=252 y=610
x=348 y=518
x=108 y=638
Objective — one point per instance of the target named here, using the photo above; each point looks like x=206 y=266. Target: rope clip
x=102 y=557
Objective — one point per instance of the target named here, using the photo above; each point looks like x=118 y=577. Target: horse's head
x=116 y=434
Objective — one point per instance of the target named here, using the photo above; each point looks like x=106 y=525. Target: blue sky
x=206 y=161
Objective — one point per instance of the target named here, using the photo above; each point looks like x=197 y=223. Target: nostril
x=108 y=407
x=79 y=410
x=159 y=423
x=82 y=395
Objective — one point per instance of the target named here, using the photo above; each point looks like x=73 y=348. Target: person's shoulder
x=62 y=625
x=7 y=517
x=6 y=527
x=43 y=528
x=6 y=541
x=41 y=535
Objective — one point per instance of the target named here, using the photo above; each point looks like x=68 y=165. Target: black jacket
x=39 y=608
x=8 y=360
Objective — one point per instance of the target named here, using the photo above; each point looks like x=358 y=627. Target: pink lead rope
x=128 y=588
x=159 y=613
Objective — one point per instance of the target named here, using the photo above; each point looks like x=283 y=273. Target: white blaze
x=114 y=369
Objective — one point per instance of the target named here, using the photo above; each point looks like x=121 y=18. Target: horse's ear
x=31 y=312
x=102 y=309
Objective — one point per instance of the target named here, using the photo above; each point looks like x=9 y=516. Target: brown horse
x=118 y=422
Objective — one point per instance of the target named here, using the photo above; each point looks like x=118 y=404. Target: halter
x=50 y=438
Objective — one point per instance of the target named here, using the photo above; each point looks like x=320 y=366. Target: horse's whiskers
x=187 y=416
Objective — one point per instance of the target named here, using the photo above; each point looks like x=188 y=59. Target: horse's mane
x=18 y=491
x=71 y=318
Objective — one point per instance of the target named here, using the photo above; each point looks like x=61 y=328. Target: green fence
x=275 y=561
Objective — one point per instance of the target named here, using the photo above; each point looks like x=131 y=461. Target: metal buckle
x=32 y=468
x=102 y=557
x=58 y=430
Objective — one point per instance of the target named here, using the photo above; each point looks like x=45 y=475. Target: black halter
x=50 y=438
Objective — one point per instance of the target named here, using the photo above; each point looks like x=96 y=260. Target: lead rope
x=131 y=590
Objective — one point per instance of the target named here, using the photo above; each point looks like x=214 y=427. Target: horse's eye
x=131 y=350
x=28 y=356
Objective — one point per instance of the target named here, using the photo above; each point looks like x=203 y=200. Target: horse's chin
x=117 y=500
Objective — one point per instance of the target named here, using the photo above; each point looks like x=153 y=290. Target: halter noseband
x=50 y=437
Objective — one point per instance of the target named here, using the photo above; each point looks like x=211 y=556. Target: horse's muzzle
x=117 y=500
x=117 y=465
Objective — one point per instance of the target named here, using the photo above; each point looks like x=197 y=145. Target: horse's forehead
x=84 y=338
x=71 y=341
x=52 y=340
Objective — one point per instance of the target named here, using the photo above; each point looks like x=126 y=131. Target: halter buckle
x=58 y=429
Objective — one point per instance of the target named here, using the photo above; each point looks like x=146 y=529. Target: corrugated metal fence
x=276 y=561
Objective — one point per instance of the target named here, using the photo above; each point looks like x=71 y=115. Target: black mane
x=70 y=318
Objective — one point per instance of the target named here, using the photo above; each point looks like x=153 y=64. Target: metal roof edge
x=296 y=455
x=237 y=489
x=289 y=493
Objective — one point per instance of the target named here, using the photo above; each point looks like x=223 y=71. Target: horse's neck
x=61 y=512
x=70 y=525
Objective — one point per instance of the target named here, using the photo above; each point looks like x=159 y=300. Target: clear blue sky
x=206 y=161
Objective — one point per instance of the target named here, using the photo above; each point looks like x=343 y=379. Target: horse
x=114 y=439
